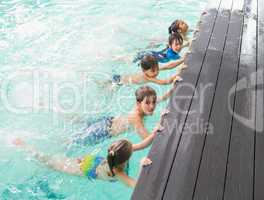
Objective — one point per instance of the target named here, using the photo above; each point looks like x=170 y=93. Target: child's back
x=150 y=71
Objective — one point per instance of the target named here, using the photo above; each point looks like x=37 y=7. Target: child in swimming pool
x=150 y=71
x=174 y=47
x=162 y=56
x=181 y=27
x=112 y=168
x=177 y=26
x=106 y=127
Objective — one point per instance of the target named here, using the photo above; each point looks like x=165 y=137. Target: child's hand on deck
x=177 y=79
x=145 y=162
x=187 y=44
x=164 y=112
x=157 y=128
x=186 y=54
x=183 y=66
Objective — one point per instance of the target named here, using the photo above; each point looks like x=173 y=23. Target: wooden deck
x=212 y=144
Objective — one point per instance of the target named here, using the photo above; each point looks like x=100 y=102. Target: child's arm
x=172 y=65
x=144 y=143
x=186 y=43
x=164 y=81
x=124 y=178
x=169 y=92
x=140 y=128
x=165 y=96
x=175 y=63
x=160 y=81
x=148 y=140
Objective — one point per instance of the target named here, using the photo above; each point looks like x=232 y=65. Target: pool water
x=54 y=57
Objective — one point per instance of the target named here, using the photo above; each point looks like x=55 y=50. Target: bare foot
x=18 y=142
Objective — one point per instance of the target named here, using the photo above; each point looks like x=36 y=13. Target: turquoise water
x=52 y=56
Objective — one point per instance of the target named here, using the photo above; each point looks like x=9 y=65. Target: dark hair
x=174 y=27
x=175 y=37
x=118 y=153
x=148 y=62
x=144 y=91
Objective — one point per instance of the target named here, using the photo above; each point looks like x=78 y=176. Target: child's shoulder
x=172 y=54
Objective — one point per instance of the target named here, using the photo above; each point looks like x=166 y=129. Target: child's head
x=178 y=26
x=149 y=65
x=118 y=154
x=175 y=42
x=146 y=99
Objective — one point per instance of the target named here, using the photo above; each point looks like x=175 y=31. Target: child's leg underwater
x=59 y=163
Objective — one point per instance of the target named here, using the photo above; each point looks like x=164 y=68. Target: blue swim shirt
x=172 y=55
x=163 y=56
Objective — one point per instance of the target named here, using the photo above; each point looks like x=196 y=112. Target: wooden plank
x=211 y=177
x=259 y=161
x=164 y=145
x=181 y=183
x=240 y=166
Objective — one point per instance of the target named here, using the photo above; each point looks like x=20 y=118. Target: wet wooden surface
x=212 y=144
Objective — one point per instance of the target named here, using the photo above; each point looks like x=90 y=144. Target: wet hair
x=175 y=37
x=148 y=62
x=144 y=91
x=118 y=153
x=174 y=27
